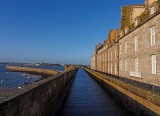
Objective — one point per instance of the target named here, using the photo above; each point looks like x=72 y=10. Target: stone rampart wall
x=39 y=99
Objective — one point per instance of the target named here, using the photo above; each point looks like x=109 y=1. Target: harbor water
x=9 y=79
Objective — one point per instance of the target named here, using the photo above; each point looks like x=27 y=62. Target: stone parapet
x=139 y=100
x=42 y=98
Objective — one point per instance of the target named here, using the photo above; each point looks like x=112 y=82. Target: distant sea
x=10 y=79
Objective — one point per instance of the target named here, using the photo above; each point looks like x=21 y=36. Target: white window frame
x=121 y=65
x=136 y=43
x=108 y=56
x=111 y=68
x=115 y=69
x=115 y=54
x=111 y=55
x=126 y=30
x=125 y=47
x=108 y=67
x=125 y=64
x=136 y=22
x=121 y=34
x=154 y=64
x=136 y=64
x=153 y=35
x=152 y=10
x=120 y=48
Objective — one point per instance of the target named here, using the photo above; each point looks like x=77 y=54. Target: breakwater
x=40 y=71
x=141 y=101
x=40 y=98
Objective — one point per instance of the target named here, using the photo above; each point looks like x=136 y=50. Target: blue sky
x=56 y=31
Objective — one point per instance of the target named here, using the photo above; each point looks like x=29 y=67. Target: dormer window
x=126 y=30
x=121 y=34
x=116 y=39
x=152 y=10
x=136 y=23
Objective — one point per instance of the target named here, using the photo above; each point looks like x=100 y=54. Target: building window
x=120 y=64
x=136 y=64
x=126 y=30
x=111 y=68
x=120 y=48
x=108 y=56
x=136 y=22
x=115 y=54
x=152 y=10
x=108 y=67
x=125 y=64
x=125 y=47
x=115 y=69
x=153 y=35
x=111 y=55
x=154 y=64
x=121 y=34
x=136 y=43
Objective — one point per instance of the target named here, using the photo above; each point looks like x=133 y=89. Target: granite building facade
x=133 y=50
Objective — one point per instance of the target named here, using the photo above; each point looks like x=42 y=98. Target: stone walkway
x=88 y=98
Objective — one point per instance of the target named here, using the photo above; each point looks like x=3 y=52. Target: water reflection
x=10 y=79
x=15 y=79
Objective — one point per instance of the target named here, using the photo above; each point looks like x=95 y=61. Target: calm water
x=10 y=79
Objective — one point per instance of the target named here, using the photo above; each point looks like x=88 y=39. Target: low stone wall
x=69 y=67
x=134 y=98
x=34 y=70
x=39 y=99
